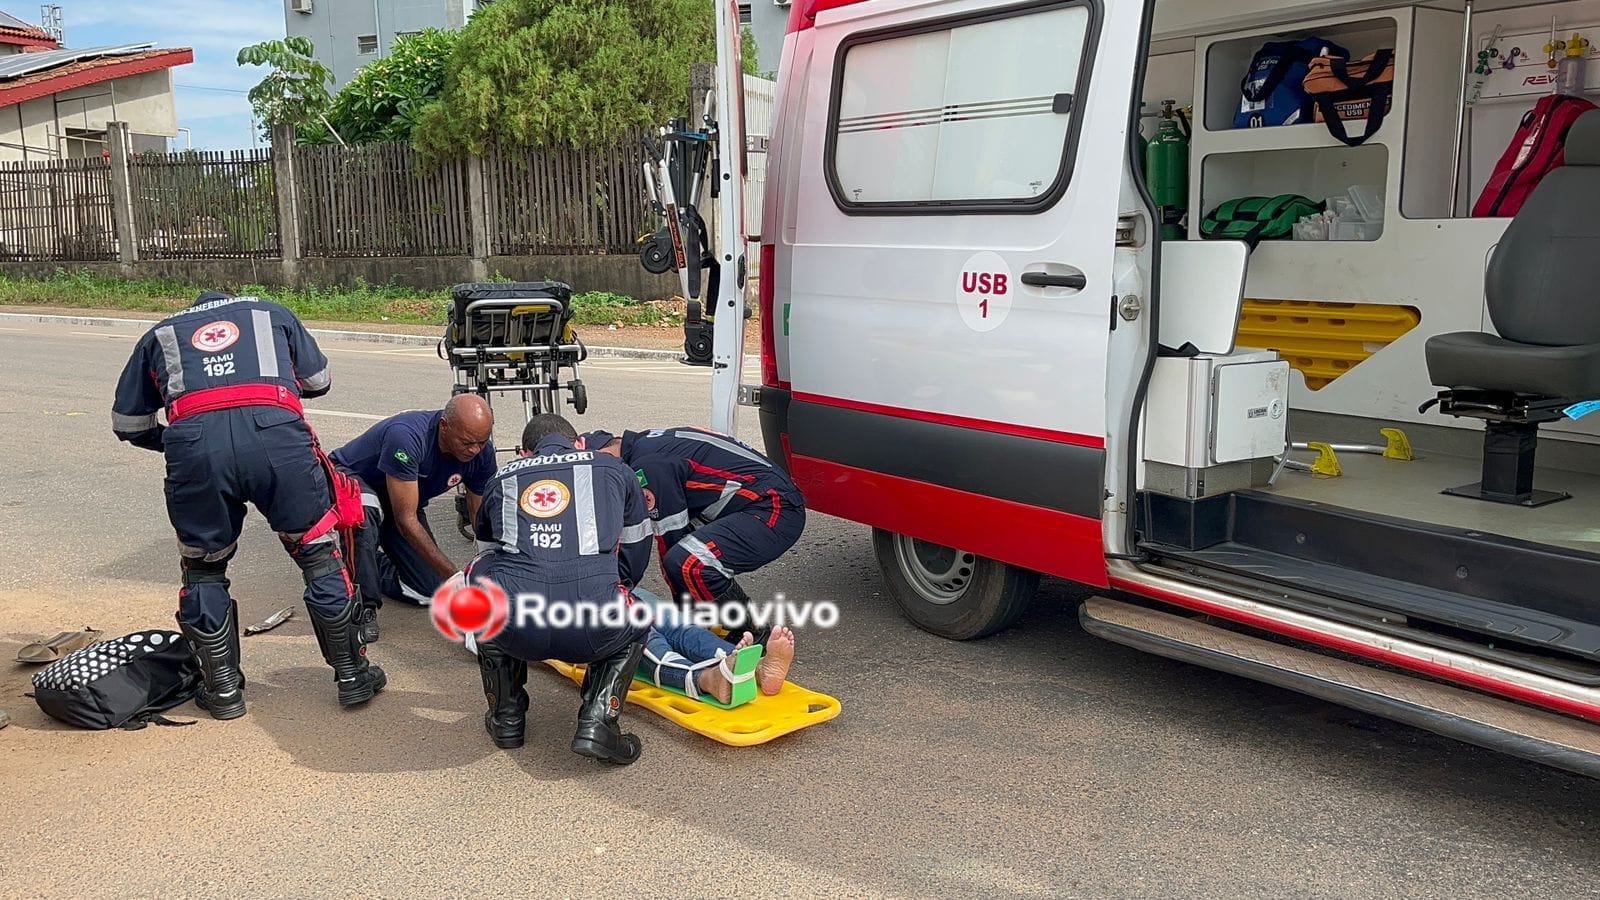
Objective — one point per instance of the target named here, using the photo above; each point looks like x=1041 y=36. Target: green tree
x=578 y=72
x=295 y=92
x=385 y=99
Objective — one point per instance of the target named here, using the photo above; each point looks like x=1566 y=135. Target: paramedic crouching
x=402 y=463
x=721 y=509
x=569 y=525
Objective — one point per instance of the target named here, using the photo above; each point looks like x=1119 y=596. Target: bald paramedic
x=403 y=462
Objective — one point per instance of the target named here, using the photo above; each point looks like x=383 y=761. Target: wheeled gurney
x=513 y=338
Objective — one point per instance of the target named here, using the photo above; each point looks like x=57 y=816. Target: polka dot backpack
x=125 y=682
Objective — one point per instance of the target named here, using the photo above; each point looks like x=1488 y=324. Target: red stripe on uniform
x=720 y=473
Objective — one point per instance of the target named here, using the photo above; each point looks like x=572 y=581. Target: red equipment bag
x=1538 y=146
x=346 y=495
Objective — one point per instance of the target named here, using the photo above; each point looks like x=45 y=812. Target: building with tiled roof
x=55 y=101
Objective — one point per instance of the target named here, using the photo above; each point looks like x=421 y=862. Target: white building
x=348 y=34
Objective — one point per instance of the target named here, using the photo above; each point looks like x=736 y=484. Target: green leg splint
x=743 y=678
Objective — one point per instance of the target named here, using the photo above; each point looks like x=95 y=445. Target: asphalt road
x=1041 y=762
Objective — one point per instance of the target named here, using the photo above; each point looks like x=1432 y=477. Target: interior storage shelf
x=1407 y=161
x=1318 y=173
x=1227 y=61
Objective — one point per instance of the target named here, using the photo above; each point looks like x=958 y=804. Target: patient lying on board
x=692 y=659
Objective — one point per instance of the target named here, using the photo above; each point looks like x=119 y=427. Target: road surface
x=1042 y=762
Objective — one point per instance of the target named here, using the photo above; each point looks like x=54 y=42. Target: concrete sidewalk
x=636 y=341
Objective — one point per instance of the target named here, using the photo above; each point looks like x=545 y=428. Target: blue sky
x=211 y=91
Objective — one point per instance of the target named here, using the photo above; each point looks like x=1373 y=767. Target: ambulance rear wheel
x=952 y=593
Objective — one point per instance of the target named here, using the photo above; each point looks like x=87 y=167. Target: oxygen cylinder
x=1167 y=172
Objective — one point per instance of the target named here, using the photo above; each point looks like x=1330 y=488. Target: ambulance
x=1320 y=420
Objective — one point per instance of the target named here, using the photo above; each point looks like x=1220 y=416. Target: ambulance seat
x=1543 y=294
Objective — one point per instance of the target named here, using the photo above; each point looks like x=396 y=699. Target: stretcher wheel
x=952 y=593
x=656 y=256
x=698 y=344
x=580 y=397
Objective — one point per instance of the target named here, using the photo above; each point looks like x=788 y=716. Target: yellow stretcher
x=756 y=722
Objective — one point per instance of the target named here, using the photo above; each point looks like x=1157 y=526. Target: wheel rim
x=939 y=575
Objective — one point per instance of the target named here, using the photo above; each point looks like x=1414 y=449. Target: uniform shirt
x=566 y=518
x=699 y=475
x=218 y=342
x=406 y=445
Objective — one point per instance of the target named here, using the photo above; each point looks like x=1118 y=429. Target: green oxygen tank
x=1167 y=171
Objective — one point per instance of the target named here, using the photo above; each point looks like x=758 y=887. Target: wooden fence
x=567 y=201
x=58 y=210
x=380 y=200
x=375 y=200
x=205 y=205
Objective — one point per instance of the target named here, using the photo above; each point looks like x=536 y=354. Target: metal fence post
x=288 y=191
x=117 y=142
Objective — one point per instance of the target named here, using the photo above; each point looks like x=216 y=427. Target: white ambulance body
x=975 y=341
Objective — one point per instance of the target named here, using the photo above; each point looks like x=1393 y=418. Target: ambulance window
x=966 y=114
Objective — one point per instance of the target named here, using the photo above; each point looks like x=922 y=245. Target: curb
x=373 y=337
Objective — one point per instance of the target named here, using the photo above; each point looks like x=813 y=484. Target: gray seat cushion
x=1540 y=289
x=1486 y=362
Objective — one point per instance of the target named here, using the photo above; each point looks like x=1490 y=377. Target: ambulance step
x=1485 y=721
x=1522 y=624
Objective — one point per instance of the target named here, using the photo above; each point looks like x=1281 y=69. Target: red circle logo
x=480 y=609
x=219 y=335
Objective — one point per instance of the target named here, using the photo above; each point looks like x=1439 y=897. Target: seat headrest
x=1583 y=141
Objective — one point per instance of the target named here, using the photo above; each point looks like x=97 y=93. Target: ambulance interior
x=1322 y=336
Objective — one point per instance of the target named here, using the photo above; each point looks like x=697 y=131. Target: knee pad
x=318 y=559
x=211 y=568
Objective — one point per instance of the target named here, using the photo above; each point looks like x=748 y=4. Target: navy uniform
x=230 y=372
x=571 y=526
x=721 y=510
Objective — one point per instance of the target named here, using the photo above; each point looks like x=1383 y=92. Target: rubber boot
x=342 y=648
x=503 y=679
x=605 y=690
x=734 y=595
x=217 y=652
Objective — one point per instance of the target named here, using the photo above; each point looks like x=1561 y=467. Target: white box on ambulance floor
x=1213 y=409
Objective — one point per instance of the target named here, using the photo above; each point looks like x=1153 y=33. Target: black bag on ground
x=121 y=683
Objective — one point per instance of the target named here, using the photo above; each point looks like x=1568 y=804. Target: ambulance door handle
x=1076 y=280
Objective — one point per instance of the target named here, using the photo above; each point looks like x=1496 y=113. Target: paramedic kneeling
x=570 y=526
x=230 y=372
x=721 y=509
x=403 y=462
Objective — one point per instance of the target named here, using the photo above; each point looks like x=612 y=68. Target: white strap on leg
x=722 y=663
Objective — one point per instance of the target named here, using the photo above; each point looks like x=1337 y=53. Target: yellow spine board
x=757 y=722
x=1322 y=339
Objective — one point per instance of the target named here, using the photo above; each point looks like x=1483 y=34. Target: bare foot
x=774 y=665
x=710 y=680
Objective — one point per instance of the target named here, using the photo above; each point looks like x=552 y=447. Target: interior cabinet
x=1409 y=159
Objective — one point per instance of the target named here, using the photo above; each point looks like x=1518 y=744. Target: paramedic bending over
x=402 y=463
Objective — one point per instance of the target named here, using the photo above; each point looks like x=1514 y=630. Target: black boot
x=503 y=679
x=735 y=597
x=605 y=690
x=342 y=648
x=218 y=654
x=369 y=624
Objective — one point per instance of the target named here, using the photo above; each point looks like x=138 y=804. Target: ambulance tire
x=951 y=593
